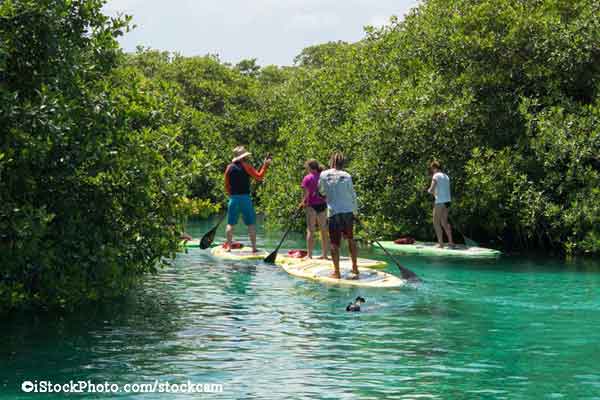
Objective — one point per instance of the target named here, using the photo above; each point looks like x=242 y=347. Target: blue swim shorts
x=241 y=204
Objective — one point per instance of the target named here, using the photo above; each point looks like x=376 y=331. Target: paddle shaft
x=406 y=273
x=273 y=255
x=288 y=229
x=469 y=242
x=209 y=236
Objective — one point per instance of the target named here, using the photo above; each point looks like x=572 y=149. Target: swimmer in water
x=356 y=305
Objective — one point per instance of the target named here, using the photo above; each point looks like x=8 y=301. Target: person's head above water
x=356 y=305
x=239 y=153
x=337 y=160
x=313 y=166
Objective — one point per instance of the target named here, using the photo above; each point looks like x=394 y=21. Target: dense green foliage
x=224 y=106
x=102 y=155
x=92 y=172
x=504 y=93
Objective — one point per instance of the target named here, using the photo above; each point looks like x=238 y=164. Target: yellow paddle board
x=245 y=253
x=344 y=261
x=319 y=271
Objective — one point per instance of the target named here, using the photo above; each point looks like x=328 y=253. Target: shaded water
x=514 y=328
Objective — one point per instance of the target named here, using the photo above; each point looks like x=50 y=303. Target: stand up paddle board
x=431 y=249
x=318 y=271
x=245 y=253
x=362 y=262
x=192 y=243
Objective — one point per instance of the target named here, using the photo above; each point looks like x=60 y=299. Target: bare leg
x=310 y=242
x=437 y=225
x=335 y=255
x=229 y=232
x=322 y=219
x=447 y=227
x=310 y=230
x=252 y=234
x=353 y=255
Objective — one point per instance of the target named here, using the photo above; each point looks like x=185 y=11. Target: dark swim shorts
x=319 y=208
x=341 y=225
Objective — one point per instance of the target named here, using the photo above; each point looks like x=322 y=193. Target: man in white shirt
x=440 y=188
x=336 y=185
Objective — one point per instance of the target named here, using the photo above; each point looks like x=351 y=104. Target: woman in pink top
x=316 y=208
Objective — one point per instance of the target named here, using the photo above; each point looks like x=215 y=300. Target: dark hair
x=313 y=165
x=337 y=160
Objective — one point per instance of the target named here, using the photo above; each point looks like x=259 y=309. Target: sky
x=272 y=31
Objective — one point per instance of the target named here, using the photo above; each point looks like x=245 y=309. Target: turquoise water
x=514 y=328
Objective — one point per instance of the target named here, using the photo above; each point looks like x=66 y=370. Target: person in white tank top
x=440 y=189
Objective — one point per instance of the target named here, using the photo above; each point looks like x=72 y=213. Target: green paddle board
x=431 y=249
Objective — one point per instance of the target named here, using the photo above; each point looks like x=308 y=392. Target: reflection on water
x=512 y=328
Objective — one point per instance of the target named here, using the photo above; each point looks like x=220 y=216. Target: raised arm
x=258 y=175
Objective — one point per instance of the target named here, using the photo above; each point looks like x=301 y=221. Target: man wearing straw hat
x=237 y=185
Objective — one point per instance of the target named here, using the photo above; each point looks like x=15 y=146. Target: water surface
x=513 y=328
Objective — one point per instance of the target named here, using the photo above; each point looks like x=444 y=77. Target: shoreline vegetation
x=103 y=155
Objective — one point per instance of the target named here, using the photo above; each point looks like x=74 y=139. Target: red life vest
x=239 y=180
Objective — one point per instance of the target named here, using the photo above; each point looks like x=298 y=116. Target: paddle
x=209 y=237
x=406 y=273
x=270 y=259
x=468 y=242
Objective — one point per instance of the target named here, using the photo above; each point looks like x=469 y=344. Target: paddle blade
x=470 y=242
x=270 y=259
x=407 y=274
x=207 y=239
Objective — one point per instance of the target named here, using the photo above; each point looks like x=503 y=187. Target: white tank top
x=442 y=188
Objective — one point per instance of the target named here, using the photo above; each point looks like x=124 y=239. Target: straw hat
x=239 y=153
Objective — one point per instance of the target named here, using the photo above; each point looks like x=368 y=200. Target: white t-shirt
x=337 y=187
x=442 y=188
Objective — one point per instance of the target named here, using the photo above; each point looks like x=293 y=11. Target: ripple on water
x=496 y=329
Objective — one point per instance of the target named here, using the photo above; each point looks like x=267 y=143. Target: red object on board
x=297 y=253
x=405 y=240
x=234 y=245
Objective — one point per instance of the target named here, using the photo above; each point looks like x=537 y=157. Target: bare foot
x=354 y=276
x=254 y=250
x=323 y=258
x=335 y=275
x=439 y=246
